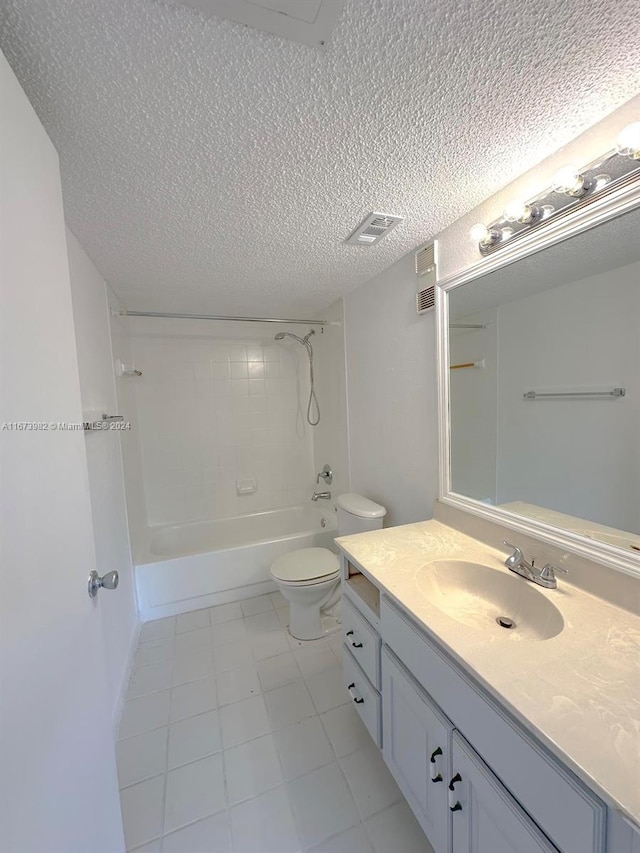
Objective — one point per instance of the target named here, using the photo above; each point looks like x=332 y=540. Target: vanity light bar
x=570 y=187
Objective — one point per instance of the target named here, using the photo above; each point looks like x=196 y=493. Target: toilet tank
x=357 y=514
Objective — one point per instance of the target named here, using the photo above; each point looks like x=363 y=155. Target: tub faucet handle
x=326 y=474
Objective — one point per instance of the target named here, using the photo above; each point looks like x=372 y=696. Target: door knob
x=95 y=582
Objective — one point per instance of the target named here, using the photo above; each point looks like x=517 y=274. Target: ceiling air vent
x=306 y=21
x=373 y=229
x=426 y=269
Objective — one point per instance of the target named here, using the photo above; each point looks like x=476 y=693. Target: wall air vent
x=426 y=260
x=374 y=227
x=426 y=299
x=427 y=271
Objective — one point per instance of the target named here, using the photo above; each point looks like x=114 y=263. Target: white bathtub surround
x=330 y=437
x=266 y=754
x=190 y=566
x=219 y=404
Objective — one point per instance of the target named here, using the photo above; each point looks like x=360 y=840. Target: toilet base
x=328 y=625
x=313 y=623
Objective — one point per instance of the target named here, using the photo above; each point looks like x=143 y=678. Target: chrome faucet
x=321 y=496
x=545 y=577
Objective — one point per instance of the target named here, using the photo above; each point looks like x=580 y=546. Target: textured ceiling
x=211 y=167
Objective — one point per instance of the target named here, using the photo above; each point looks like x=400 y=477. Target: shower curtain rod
x=171 y=316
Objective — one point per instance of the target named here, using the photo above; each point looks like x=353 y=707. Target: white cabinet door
x=486 y=818
x=59 y=790
x=416 y=747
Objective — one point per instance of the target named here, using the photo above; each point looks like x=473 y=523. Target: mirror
x=544 y=385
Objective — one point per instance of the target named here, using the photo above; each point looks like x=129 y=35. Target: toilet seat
x=315 y=582
x=306 y=567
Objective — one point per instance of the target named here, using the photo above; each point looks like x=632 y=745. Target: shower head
x=282 y=335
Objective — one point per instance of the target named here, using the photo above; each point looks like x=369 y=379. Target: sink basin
x=478 y=596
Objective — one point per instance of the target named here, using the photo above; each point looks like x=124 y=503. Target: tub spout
x=321 y=496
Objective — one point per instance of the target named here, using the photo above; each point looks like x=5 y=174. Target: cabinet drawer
x=567 y=811
x=366 y=699
x=362 y=641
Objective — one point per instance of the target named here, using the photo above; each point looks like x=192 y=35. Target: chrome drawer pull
x=454 y=805
x=351 y=687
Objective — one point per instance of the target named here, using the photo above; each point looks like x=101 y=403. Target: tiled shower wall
x=213 y=410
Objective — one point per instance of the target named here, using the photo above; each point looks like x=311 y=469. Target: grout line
x=250 y=640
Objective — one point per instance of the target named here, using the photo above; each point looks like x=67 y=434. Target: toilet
x=309 y=578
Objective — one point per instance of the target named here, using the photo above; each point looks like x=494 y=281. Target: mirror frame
x=599 y=210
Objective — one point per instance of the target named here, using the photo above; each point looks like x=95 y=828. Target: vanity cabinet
x=475 y=778
x=417 y=749
x=460 y=804
x=564 y=808
x=362 y=641
x=363 y=694
x=485 y=817
x=361 y=662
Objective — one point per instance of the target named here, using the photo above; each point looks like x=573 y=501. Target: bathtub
x=189 y=566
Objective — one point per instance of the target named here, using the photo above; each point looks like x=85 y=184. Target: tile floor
x=236 y=737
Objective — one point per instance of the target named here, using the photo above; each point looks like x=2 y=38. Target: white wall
x=104 y=460
x=390 y=351
x=392 y=403
x=219 y=403
x=330 y=437
x=58 y=782
x=579 y=456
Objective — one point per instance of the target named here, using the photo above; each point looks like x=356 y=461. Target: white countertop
x=579 y=691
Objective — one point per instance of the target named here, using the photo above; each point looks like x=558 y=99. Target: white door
x=416 y=747
x=486 y=818
x=59 y=790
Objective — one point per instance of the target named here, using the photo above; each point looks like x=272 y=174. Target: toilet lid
x=305 y=564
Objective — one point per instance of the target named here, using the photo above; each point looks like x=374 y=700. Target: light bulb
x=479 y=233
x=569 y=181
x=628 y=141
x=518 y=211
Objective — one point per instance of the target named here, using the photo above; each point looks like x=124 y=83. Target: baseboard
x=186 y=605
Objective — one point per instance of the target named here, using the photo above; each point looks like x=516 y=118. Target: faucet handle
x=548 y=573
x=514 y=559
x=326 y=474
